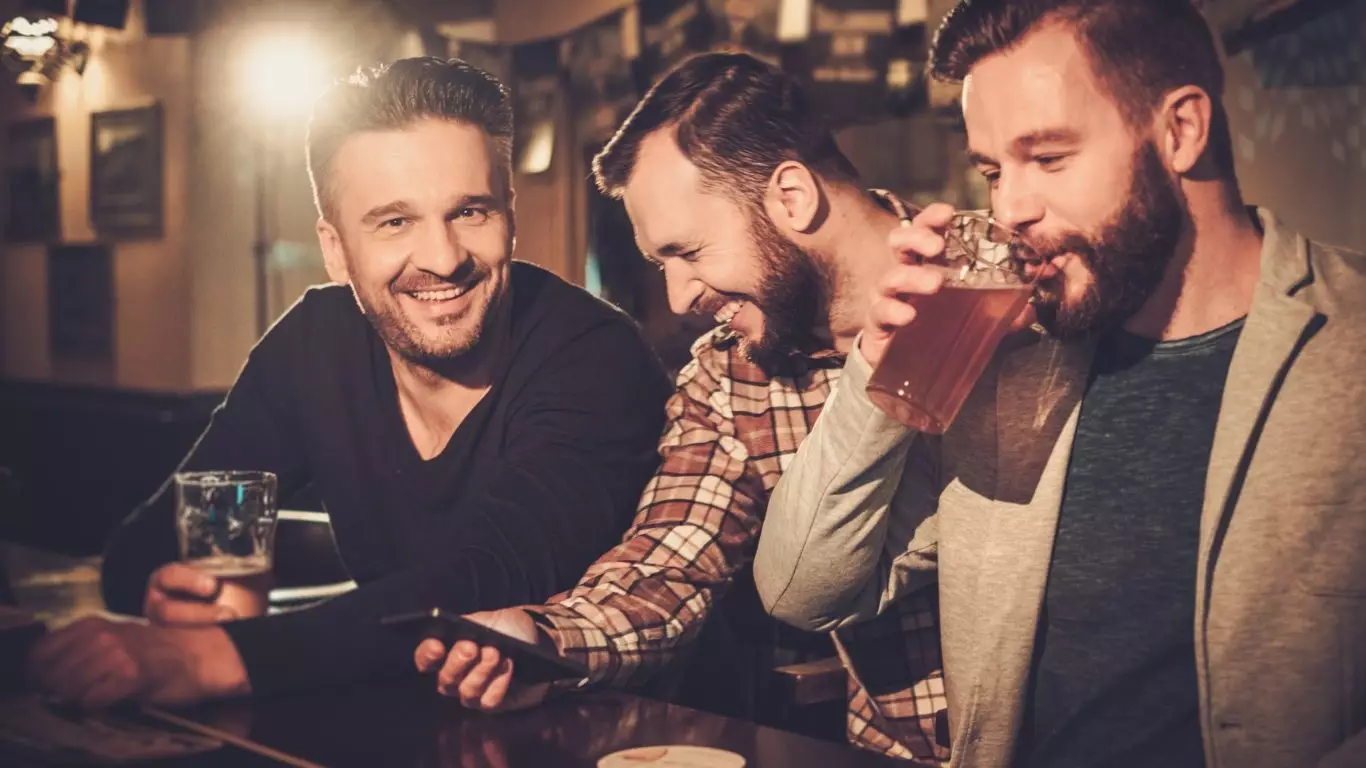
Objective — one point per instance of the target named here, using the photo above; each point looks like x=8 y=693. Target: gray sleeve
x=850 y=527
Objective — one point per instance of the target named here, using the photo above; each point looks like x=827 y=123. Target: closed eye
x=1050 y=162
x=684 y=256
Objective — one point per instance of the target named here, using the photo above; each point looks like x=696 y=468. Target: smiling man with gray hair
x=477 y=428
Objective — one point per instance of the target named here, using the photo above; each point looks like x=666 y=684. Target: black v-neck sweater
x=538 y=480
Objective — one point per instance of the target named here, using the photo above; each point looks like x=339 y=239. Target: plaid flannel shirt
x=731 y=432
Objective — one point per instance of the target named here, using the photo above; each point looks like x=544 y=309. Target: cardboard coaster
x=672 y=756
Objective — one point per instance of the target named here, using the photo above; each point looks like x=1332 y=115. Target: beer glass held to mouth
x=931 y=364
x=225 y=524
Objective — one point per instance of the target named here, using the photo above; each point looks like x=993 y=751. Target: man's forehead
x=661 y=167
x=431 y=158
x=1043 y=83
x=663 y=192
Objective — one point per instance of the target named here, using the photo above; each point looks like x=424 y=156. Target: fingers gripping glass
x=931 y=364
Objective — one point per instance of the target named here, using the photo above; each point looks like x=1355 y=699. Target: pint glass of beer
x=225 y=523
x=931 y=364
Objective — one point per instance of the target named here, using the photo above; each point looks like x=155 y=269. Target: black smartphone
x=531 y=664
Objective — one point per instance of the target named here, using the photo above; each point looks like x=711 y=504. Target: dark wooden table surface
x=401 y=725
x=409 y=725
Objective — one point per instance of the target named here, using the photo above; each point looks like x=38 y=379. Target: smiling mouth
x=441 y=293
x=445 y=294
x=727 y=312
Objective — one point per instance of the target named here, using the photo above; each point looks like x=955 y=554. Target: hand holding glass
x=931 y=365
x=225 y=523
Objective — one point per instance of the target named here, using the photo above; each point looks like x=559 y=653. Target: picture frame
x=80 y=287
x=126 y=173
x=33 y=178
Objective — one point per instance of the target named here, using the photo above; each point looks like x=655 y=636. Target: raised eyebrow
x=487 y=201
x=977 y=158
x=385 y=211
x=1023 y=144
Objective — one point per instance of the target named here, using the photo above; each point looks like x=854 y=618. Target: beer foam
x=232 y=566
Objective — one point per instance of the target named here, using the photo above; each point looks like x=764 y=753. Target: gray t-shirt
x=1113 y=679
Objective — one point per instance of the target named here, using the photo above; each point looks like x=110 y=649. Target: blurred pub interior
x=158 y=216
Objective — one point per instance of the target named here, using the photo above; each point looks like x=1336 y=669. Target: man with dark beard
x=477 y=429
x=736 y=190
x=1147 y=525
x=1127 y=259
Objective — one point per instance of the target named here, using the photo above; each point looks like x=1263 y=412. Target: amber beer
x=243 y=582
x=931 y=364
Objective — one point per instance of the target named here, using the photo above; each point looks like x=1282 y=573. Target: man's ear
x=1185 y=120
x=794 y=197
x=334 y=256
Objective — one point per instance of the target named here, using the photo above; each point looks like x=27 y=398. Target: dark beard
x=793 y=294
x=1127 y=261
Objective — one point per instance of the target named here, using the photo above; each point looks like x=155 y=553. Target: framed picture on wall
x=32 y=178
x=126 y=173
x=80 y=293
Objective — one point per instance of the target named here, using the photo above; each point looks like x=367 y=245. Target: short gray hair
x=393 y=96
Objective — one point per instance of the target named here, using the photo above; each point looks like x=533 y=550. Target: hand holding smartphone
x=532 y=664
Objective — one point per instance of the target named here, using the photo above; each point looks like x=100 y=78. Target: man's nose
x=684 y=289
x=1014 y=204
x=441 y=252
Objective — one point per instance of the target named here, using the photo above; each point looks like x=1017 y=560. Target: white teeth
x=442 y=295
x=727 y=313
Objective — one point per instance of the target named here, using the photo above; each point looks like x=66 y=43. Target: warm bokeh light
x=30 y=27
x=30 y=39
x=282 y=74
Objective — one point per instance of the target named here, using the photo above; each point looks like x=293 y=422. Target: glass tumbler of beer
x=225 y=523
x=931 y=364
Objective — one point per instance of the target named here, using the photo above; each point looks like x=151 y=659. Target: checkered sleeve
x=695 y=526
x=897 y=701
